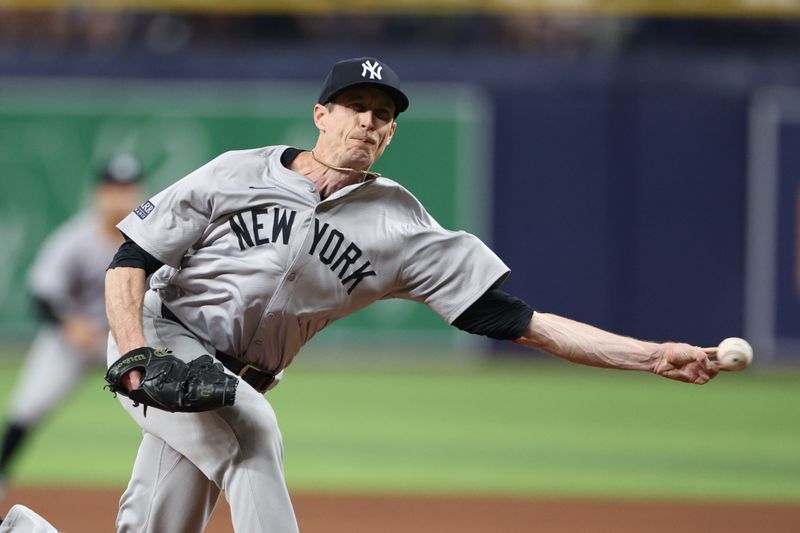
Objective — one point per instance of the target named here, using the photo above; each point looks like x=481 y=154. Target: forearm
x=588 y=345
x=125 y=288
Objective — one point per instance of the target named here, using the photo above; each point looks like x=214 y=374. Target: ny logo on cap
x=374 y=70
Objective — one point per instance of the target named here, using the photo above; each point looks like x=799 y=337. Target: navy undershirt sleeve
x=496 y=314
x=132 y=255
x=45 y=310
x=289 y=155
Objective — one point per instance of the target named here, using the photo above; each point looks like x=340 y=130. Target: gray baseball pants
x=53 y=356
x=185 y=459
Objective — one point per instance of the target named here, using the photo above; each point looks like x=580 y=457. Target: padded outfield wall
x=55 y=134
x=620 y=188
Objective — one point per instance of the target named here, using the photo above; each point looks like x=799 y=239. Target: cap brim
x=399 y=98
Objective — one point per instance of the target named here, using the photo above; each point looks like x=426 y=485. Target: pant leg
x=51 y=371
x=166 y=493
x=239 y=448
x=13 y=438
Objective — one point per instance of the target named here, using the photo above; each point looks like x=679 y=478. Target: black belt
x=257 y=378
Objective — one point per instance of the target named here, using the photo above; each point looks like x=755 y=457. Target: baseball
x=734 y=353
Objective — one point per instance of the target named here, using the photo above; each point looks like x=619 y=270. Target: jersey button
x=292 y=276
x=258 y=342
x=270 y=315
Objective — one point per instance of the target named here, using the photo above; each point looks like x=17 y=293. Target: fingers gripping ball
x=171 y=384
x=734 y=353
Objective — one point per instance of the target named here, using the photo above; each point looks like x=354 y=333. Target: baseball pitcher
x=252 y=255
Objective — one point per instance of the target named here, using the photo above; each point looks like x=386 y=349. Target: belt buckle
x=264 y=378
x=245 y=368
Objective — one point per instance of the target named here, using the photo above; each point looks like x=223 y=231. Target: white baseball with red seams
x=734 y=353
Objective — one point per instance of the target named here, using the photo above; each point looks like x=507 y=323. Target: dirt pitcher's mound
x=93 y=511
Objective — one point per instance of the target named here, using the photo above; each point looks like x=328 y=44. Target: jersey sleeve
x=51 y=278
x=447 y=270
x=169 y=223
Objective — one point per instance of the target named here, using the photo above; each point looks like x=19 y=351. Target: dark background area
x=620 y=144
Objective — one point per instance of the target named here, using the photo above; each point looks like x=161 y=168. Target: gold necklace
x=368 y=174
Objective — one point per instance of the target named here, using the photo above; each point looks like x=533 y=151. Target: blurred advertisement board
x=55 y=134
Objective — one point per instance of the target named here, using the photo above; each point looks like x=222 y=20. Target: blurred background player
x=66 y=284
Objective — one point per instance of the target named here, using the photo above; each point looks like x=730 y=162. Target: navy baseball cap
x=122 y=169
x=363 y=71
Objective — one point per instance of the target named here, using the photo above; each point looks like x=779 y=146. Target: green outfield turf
x=507 y=428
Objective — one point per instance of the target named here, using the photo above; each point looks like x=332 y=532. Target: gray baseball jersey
x=256 y=263
x=69 y=271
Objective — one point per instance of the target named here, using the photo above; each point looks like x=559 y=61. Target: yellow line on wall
x=676 y=8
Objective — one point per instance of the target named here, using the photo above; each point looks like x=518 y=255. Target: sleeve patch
x=145 y=209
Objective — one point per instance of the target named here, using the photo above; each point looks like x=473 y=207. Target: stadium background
x=634 y=163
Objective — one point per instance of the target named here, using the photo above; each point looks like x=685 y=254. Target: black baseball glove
x=171 y=384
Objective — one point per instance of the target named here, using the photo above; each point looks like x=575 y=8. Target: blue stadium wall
x=619 y=184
